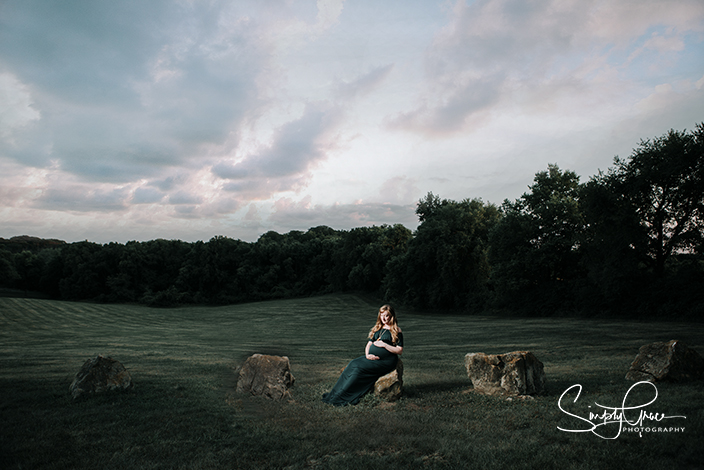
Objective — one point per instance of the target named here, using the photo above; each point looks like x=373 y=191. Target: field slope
x=183 y=412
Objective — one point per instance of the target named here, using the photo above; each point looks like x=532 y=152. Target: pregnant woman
x=380 y=357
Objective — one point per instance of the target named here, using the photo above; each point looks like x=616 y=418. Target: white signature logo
x=598 y=423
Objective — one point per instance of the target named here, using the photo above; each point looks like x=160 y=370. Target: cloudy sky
x=134 y=120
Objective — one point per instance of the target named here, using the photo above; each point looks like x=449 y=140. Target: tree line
x=630 y=240
x=220 y=271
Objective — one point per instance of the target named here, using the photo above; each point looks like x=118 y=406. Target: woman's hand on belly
x=378 y=352
x=386 y=348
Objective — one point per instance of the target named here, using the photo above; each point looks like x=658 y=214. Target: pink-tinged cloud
x=493 y=49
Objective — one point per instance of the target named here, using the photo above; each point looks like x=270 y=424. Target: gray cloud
x=365 y=83
x=146 y=195
x=187 y=212
x=15 y=105
x=448 y=115
x=492 y=36
x=185 y=198
x=82 y=199
x=125 y=89
x=170 y=182
x=297 y=147
x=82 y=51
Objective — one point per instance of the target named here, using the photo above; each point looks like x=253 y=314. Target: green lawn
x=183 y=412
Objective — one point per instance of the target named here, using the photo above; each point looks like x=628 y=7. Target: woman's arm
x=371 y=357
x=398 y=350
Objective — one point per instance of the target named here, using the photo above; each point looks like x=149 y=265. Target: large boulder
x=100 y=374
x=515 y=373
x=660 y=361
x=390 y=386
x=266 y=375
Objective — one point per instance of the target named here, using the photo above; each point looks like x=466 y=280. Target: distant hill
x=25 y=242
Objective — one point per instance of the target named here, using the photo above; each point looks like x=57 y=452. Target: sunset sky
x=136 y=120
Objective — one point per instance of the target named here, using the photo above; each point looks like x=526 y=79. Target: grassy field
x=183 y=412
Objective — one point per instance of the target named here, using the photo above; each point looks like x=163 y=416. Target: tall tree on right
x=662 y=184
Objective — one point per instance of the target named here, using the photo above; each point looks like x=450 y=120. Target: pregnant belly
x=381 y=352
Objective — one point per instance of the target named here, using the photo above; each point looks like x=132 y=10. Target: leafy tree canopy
x=662 y=182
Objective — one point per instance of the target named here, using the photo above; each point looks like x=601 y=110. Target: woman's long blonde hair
x=395 y=330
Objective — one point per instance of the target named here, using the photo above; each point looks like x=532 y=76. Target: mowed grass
x=184 y=413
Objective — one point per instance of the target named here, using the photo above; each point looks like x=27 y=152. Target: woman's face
x=385 y=317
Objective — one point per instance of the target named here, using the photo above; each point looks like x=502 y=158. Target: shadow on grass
x=431 y=388
x=553 y=388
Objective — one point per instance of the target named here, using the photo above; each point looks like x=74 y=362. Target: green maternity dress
x=359 y=376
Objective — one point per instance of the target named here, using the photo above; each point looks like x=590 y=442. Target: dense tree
x=662 y=183
x=209 y=272
x=85 y=270
x=642 y=249
x=320 y=245
x=360 y=259
x=611 y=247
x=29 y=267
x=446 y=261
x=8 y=271
x=534 y=248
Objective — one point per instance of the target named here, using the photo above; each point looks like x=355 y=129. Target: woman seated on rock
x=380 y=357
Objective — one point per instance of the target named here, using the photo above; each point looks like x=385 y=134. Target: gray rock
x=515 y=373
x=390 y=386
x=672 y=361
x=99 y=375
x=266 y=375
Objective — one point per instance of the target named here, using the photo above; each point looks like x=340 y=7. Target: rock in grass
x=514 y=373
x=99 y=375
x=666 y=361
x=265 y=375
x=390 y=386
